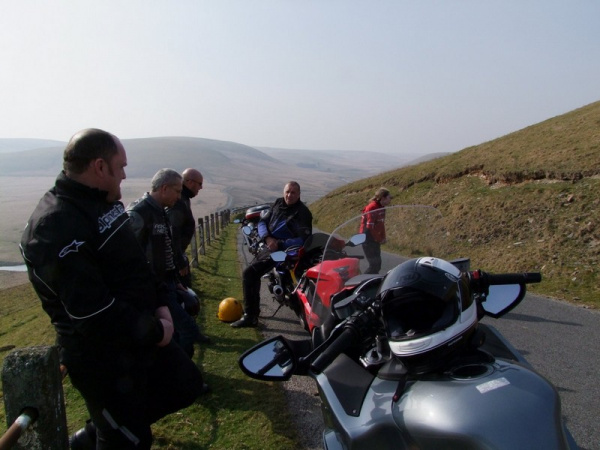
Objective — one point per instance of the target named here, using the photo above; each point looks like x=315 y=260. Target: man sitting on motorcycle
x=288 y=223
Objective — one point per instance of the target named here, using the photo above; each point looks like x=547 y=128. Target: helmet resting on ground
x=230 y=310
x=428 y=312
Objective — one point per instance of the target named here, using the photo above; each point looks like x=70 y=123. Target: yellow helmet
x=230 y=310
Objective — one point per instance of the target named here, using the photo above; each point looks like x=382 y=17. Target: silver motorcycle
x=403 y=360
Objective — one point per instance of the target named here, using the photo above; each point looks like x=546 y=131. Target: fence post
x=212 y=225
x=194 y=249
x=226 y=217
x=201 y=236
x=207 y=230
x=217 y=224
x=31 y=378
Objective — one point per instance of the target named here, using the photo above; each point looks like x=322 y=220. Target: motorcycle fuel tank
x=496 y=405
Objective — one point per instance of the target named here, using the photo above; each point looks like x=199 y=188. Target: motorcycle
x=405 y=360
x=292 y=281
x=250 y=227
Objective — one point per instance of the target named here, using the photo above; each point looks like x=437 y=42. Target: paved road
x=560 y=340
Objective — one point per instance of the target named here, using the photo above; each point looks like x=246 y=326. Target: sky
x=393 y=76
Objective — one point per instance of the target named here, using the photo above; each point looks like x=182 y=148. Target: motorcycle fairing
x=351 y=396
x=459 y=413
x=500 y=347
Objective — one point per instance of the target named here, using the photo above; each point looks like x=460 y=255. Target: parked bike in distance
x=405 y=362
x=250 y=227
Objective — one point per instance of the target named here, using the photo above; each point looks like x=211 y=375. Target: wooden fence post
x=201 y=235
x=207 y=230
x=194 y=249
x=31 y=378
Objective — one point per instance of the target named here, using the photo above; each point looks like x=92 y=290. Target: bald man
x=183 y=222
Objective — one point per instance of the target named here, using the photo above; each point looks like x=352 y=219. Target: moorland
x=527 y=201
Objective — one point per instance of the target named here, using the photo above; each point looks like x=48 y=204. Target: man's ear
x=99 y=166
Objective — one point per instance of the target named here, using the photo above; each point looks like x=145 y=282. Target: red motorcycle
x=323 y=261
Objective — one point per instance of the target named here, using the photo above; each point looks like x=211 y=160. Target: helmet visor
x=409 y=314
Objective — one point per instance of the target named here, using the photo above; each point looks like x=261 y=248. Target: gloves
x=164 y=316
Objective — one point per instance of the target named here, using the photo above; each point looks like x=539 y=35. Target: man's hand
x=272 y=243
x=164 y=315
x=184 y=271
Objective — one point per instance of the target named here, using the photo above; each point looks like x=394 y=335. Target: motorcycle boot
x=85 y=438
x=246 y=321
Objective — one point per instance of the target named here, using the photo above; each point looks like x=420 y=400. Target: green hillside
x=526 y=201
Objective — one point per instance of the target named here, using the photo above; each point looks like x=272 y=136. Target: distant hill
x=353 y=162
x=18 y=145
x=524 y=202
x=248 y=174
x=426 y=158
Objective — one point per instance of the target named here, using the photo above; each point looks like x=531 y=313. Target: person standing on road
x=183 y=223
x=152 y=229
x=288 y=223
x=373 y=225
x=108 y=309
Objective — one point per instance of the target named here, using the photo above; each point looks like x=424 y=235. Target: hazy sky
x=400 y=76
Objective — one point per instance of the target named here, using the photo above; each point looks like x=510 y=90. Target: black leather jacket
x=89 y=271
x=290 y=225
x=152 y=229
x=183 y=225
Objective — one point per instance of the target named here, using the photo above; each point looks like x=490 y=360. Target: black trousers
x=251 y=276
x=372 y=251
x=126 y=392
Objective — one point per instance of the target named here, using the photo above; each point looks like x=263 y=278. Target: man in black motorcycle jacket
x=288 y=223
x=183 y=223
x=108 y=309
x=152 y=229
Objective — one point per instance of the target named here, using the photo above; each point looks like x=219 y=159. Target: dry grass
x=526 y=201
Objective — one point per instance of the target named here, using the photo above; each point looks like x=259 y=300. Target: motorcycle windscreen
x=411 y=231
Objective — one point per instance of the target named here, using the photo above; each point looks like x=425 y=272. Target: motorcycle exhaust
x=278 y=290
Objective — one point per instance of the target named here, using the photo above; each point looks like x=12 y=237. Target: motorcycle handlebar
x=485 y=280
x=514 y=278
x=346 y=339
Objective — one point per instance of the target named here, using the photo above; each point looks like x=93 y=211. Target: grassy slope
x=537 y=188
x=239 y=413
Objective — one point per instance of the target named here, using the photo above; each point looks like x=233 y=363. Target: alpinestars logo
x=73 y=247
x=106 y=221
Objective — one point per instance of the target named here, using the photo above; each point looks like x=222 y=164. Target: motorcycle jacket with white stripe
x=89 y=271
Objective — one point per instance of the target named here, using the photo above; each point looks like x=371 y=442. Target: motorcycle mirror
x=247 y=230
x=502 y=298
x=357 y=239
x=278 y=256
x=270 y=360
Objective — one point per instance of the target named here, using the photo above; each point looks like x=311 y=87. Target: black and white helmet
x=428 y=312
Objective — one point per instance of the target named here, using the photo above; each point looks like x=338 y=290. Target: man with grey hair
x=151 y=226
